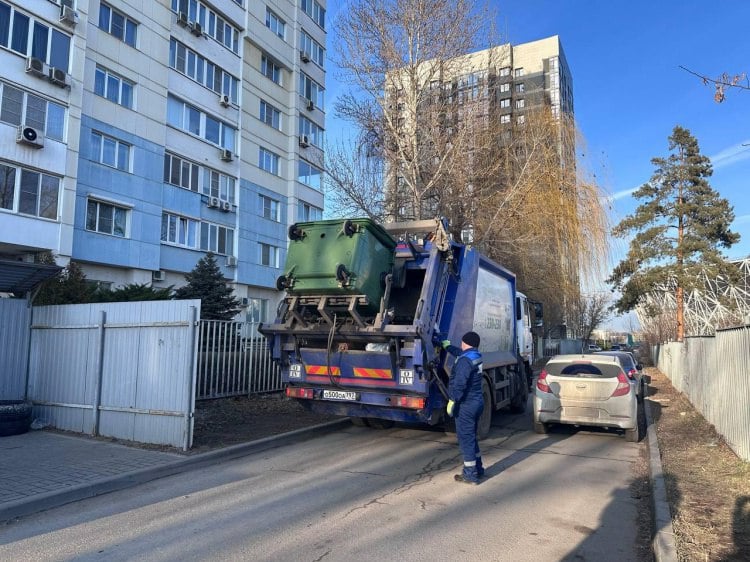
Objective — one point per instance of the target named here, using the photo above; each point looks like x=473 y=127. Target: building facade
x=138 y=135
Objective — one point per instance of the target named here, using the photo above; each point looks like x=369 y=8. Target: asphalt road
x=363 y=494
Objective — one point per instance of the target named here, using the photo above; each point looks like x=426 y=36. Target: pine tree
x=677 y=230
x=205 y=282
x=70 y=287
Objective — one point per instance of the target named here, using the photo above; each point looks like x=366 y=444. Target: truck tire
x=485 y=420
x=521 y=397
x=15 y=417
x=377 y=423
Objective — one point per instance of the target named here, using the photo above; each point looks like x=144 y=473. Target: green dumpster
x=338 y=257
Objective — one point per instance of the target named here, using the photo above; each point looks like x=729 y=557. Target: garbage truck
x=363 y=304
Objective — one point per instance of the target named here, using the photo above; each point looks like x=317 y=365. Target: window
x=202 y=70
x=312 y=49
x=112 y=87
x=20 y=107
x=268 y=161
x=311 y=90
x=518 y=72
x=271 y=208
x=257 y=310
x=270 y=69
x=310 y=175
x=269 y=255
x=29 y=192
x=190 y=119
x=312 y=131
x=505 y=119
x=106 y=218
x=196 y=235
x=189 y=175
x=307 y=212
x=275 y=23
x=29 y=37
x=315 y=11
x=505 y=87
x=520 y=88
x=217 y=239
x=270 y=115
x=178 y=230
x=520 y=104
x=505 y=102
x=521 y=119
x=505 y=71
x=110 y=151
x=212 y=24
x=117 y=24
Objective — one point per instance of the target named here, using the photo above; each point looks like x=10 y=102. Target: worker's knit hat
x=471 y=338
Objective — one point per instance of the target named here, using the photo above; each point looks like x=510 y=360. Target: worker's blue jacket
x=466 y=376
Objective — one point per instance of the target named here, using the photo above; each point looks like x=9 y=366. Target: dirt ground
x=707 y=484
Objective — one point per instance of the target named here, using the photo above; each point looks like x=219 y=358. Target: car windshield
x=602 y=370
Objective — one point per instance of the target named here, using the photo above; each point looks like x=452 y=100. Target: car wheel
x=485 y=420
x=377 y=423
x=360 y=422
x=15 y=417
x=633 y=435
x=541 y=428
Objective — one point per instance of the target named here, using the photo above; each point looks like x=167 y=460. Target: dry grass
x=708 y=486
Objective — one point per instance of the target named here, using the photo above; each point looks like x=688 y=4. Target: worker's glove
x=445 y=344
x=449 y=408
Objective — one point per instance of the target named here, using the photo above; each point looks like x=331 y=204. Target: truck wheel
x=485 y=421
x=377 y=423
x=519 y=400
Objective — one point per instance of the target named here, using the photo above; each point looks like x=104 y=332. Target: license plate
x=339 y=395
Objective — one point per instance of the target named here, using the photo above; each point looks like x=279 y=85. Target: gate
x=234 y=360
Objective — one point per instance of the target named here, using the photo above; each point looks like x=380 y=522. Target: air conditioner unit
x=231 y=261
x=225 y=154
x=226 y=206
x=68 y=15
x=58 y=77
x=214 y=202
x=30 y=136
x=310 y=105
x=158 y=275
x=196 y=29
x=224 y=100
x=304 y=56
x=182 y=19
x=304 y=141
x=36 y=66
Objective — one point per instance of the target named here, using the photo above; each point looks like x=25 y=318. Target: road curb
x=663 y=543
x=57 y=498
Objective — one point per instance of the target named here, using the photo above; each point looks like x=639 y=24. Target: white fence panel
x=712 y=372
x=14 y=351
x=124 y=370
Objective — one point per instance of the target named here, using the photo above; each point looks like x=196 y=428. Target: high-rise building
x=137 y=136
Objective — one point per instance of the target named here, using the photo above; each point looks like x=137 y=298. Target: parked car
x=588 y=390
x=632 y=369
x=615 y=347
x=593 y=348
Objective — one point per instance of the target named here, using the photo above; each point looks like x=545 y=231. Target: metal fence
x=712 y=373
x=234 y=360
x=547 y=347
x=124 y=370
x=15 y=315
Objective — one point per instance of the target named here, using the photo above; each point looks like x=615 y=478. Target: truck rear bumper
x=357 y=410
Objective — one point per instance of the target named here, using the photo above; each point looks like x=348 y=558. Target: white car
x=593 y=348
x=589 y=390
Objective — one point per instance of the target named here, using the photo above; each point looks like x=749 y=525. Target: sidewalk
x=40 y=470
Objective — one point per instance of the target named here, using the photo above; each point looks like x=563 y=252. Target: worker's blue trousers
x=466 y=429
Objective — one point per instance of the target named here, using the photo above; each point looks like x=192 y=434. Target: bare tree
x=722 y=83
x=587 y=313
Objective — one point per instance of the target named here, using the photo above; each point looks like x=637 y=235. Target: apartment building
x=138 y=135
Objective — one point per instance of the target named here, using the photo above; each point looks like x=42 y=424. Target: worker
x=466 y=404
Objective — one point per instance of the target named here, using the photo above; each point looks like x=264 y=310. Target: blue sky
x=629 y=91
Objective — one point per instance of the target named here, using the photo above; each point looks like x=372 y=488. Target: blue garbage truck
x=363 y=304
